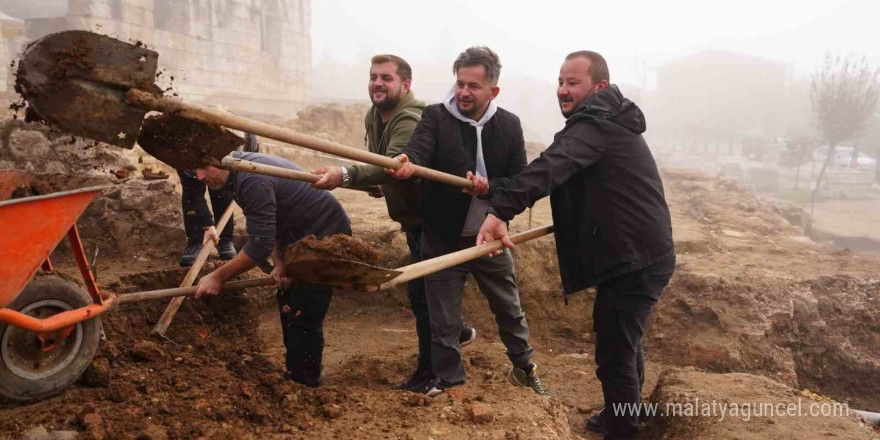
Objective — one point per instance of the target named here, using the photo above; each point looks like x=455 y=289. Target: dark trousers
x=303 y=307
x=418 y=303
x=196 y=214
x=496 y=278
x=620 y=313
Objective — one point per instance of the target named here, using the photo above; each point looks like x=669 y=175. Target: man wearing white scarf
x=468 y=135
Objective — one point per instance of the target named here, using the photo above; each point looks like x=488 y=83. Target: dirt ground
x=756 y=312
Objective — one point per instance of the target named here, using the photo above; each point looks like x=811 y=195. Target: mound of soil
x=334 y=247
x=711 y=399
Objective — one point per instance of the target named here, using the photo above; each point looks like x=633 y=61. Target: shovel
x=101 y=88
x=365 y=277
x=354 y=274
x=185 y=145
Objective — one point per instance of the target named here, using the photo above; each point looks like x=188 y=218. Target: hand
x=404 y=172
x=278 y=274
x=331 y=178
x=375 y=192
x=494 y=229
x=211 y=234
x=481 y=185
x=209 y=285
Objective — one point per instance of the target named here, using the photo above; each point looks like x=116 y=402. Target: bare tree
x=799 y=146
x=844 y=93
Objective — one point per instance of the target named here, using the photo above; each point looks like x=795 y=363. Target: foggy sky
x=532 y=38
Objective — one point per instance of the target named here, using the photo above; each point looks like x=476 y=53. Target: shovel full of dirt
x=101 y=88
x=342 y=261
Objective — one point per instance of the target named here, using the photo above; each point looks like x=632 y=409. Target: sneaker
x=189 y=254
x=417 y=381
x=226 y=250
x=521 y=378
x=434 y=387
x=468 y=335
x=596 y=423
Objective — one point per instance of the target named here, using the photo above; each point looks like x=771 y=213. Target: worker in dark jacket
x=612 y=225
x=390 y=123
x=468 y=135
x=278 y=212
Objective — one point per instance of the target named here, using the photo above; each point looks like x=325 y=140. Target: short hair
x=480 y=56
x=404 y=71
x=598 y=67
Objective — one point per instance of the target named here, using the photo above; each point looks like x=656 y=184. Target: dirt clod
x=482 y=413
x=147 y=351
x=335 y=247
x=185 y=144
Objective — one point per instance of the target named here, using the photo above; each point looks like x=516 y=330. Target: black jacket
x=609 y=210
x=444 y=143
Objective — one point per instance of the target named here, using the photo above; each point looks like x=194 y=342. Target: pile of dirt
x=334 y=247
x=185 y=144
x=690 y=404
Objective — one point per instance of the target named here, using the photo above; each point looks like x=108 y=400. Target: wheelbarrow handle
x=215 y=116
x=247 y=166
x=183 y=291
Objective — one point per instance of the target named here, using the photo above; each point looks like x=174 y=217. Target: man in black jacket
x=612 y=225
x=467 y=134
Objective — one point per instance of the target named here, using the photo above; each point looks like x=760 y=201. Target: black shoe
x=467 y=336
x=597 y=422
x=189 y=254
x=226 y=250
x=434 y=387
x=417 y=381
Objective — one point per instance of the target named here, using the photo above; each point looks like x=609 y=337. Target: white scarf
x=479 y=207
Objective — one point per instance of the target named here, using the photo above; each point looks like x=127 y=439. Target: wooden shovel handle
x=247 y=166
x=215 y=116
x=427 y=267
x=184 y=291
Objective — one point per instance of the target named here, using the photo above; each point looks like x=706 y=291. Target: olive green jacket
x=400 y=195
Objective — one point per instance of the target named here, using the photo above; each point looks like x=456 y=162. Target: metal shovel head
x=184 y=143
x=76 y=80
x=339 y=273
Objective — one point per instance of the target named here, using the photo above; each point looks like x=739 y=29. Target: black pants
x=302 y=308
x=196 y=214
x=620 y=313
x=418 y=303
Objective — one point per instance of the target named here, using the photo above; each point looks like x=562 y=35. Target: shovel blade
x=76 y=80
x=339 y=273
x=185 y=144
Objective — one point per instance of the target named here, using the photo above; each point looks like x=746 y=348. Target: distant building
x=717 y=95
x=246 y=55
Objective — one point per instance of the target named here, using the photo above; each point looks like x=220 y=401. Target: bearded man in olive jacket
x=390 y=123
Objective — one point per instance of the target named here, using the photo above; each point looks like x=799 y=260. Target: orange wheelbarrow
x=50 y=328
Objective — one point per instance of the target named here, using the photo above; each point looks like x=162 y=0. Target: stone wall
x=247 y=55
x=12 y=39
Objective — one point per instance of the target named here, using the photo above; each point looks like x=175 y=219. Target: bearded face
x=385 y=86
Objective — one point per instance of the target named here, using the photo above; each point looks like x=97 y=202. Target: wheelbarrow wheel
x=31 y=369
